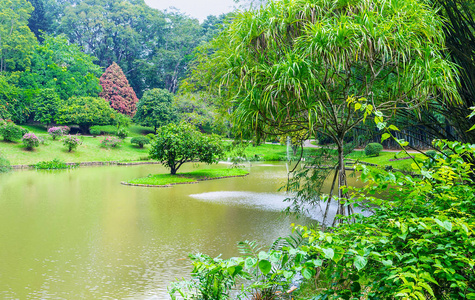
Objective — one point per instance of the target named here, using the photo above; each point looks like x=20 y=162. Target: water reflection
x=79 y=234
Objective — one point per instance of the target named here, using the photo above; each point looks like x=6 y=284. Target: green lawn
x=190 y=177
x=274 y=152
x=383 y=159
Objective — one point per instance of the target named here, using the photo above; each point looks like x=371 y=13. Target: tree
x=313 y=65
x=16 y=39
x=85 y=112
x=38 y=22
x=156 y=109
x=46 y=106
x=177 y=144
x=117 y=91
x=63 y=67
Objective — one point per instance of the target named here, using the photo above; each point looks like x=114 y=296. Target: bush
x=104 y=129
x=110 y=142
x=4 y=164
x=71 y=142
x=140 y=141
x=122 y=133
x=10 y=131
x=54 y=164
x=95 y=131
x=151 y=136
x=373 y=149
x=30 y=140
x=431 y=153
x=58 y=131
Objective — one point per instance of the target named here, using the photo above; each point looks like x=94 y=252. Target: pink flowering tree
x=117 y=91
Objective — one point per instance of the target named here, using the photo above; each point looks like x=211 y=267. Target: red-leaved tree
x=117 y=90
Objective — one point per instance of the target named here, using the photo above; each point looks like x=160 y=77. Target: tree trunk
x=342 y=182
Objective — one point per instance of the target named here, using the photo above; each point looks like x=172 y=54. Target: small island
x=168 y=180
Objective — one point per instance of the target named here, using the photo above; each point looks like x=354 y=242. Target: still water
x=80 y=234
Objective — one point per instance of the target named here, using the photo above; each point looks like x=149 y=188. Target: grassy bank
x=383 y=159
x=190 y=177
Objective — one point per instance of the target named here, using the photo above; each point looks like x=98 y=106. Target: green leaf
x=392 y=127
x=360 y=262
x=307 y=273
x=288 y=274
x=357 y=106
x=329 y=253
x=385 y=136
x=265 y=266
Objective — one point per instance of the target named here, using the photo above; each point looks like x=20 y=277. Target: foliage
x=54 y=164
x=151 y=136
x=45 y=106
x=213 y=279
x=373 y=149
x=85 y=112
x=156 y=109
x=10 y=131
x=4 y=164
x=71 y=142
x=110 y=142
x=17 y=41
x=140 y=141
x=13 y=100
x=175 y=145
x=117 y=91
x=431 y=153
x=38 y=22
x=58 y=131
x=30 y=140
x=122 y=133
x=94 y=131
x=63 y=67
x=305 y=65
x=106 y=129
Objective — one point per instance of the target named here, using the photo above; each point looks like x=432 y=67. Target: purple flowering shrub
x=58 y=131
x=30 y=140
x=71 y=142
x=110 y=142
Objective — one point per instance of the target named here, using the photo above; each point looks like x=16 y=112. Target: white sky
x=199 y=9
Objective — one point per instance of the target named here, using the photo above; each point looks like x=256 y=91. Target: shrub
x=122 y=133
x=4 y=164
x=431 y=153
x=373 y=149
x=151 y=136
x=104 y=129
x=54 y=164
x=95 y=131
x=30 y=140
x=140 y=141
x=58 y=131
x=11 y=132
x=110 y=142
x=71 y=142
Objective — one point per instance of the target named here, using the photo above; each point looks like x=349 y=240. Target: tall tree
x=62 y=66
x=313 y=65
x=38 y=22
x=117 y=91
x=16 y=39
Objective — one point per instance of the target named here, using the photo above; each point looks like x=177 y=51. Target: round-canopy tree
x=85 y=112
x=175 y=145
x=294 y=65
x=117 y=90
x=156 y=109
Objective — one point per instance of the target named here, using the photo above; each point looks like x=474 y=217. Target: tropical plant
x=46 y=105
x=30 y=140
x=373 y=149
x=54 y=164
x=140 y=141
x=305 y=65
x=117 y=91
x=10 y=131
x=71 y=142
x=175 y=145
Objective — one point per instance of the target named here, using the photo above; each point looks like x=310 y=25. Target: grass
x=274 y=152
x=190 y=177
x=383 y=159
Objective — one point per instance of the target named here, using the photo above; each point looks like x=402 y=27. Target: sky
x=198 y=9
